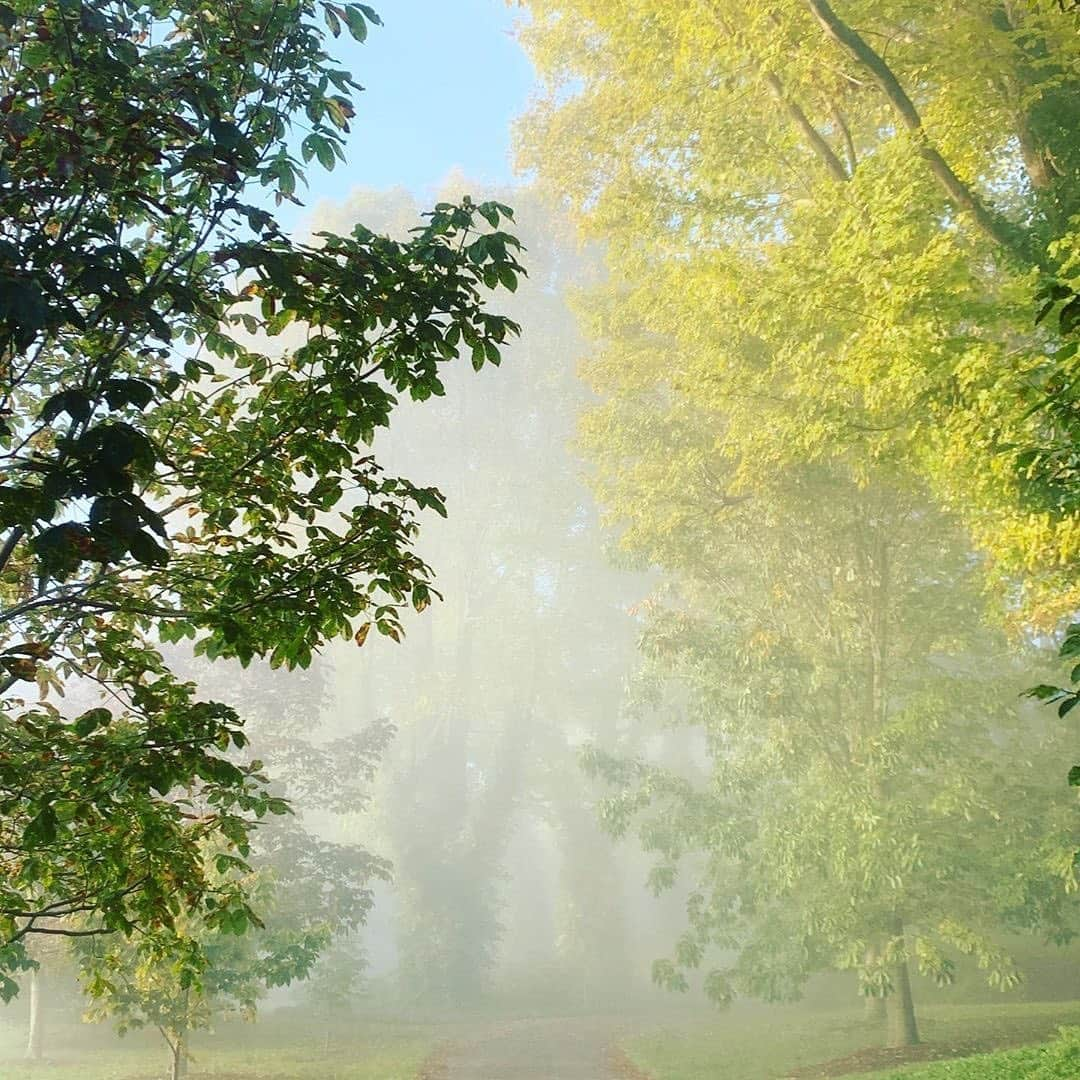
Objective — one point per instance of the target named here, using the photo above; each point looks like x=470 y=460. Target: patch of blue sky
x=444 y=80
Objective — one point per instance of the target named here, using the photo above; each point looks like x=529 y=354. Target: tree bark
x=903 y=1030
x=33 y=1040
x=177 y=1056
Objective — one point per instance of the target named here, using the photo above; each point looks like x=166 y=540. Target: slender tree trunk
x=899 y=1005
x=177 y=1056
x=33 y=1040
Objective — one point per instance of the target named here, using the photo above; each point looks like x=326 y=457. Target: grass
x=1059 y=1060
x=278 y=1047
x=763 y=1043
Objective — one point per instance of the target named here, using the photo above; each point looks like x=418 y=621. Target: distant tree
x=48 y=955
x=168 y=474
x=495 y=692
x=338 y=980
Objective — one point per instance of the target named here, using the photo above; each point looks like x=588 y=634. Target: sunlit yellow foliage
x=768 y=205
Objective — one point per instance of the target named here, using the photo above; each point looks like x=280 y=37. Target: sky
x=443 y=79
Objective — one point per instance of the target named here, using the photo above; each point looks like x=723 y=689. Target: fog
x=729 y=731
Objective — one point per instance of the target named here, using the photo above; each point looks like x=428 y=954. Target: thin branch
x=845 y=134
x=817 y=142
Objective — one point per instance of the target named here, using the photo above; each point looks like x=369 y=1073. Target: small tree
x=163 y=479
x=307 y=891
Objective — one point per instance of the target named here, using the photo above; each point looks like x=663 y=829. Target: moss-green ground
x=747 y=1043
x=1059 y=1060
x=767 y=1043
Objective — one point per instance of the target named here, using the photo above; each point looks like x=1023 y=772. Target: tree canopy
x=829 y=413
x=169 y=469
x=838 y=191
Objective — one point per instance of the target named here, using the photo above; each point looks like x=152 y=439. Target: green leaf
x=91 y=720
x=355 y=16
x=42 y=828
x=147 y=550
x=324 y=148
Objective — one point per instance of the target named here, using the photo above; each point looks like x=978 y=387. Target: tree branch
x=845 y=134
x=817 y=142
x=993 y=226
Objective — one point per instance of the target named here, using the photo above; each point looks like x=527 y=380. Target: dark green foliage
x=165 y=473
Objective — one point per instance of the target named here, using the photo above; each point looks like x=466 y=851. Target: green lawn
x=1059 y=1060
x=277 y=1047
x=763 y=1043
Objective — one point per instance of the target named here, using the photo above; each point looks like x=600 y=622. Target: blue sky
x=443 y=81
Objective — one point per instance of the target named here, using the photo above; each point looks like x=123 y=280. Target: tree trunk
x=33 y=1041
x=900 y=1008
x=963 y=196
x=177 y=1057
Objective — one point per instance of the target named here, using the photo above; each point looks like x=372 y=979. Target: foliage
x=166 y=473
x=853 y=796
x=843 y=223
x=307 y=891
x=819 y=372
x=312 y=893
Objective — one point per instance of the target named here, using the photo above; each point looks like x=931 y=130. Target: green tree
x=853 y=800
x=167 y=473
x=826 y=229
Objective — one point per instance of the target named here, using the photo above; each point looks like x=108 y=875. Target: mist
x=614 y=619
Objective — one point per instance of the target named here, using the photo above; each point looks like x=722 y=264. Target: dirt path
x=539 y=1050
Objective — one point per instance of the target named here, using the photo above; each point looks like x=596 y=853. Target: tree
x=166 y=476
x=313 y=893
x=492 y=696
x=308 y=892
x=825 y=232
x=837 y=187
x=854 y=803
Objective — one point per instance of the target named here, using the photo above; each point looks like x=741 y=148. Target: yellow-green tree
x=841 y=192
x=820 y=375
